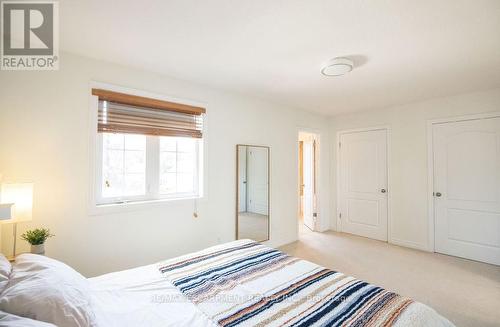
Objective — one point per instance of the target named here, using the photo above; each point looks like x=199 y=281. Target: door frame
x=387 y=128
x=319 y=190
x=430 y=166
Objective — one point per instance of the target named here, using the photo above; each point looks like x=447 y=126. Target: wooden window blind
x=125 y=113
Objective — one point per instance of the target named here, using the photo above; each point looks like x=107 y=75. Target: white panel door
x=308 y=173
x=242 y=178
x=467 y=189
x=257 y=180
x=363 y=183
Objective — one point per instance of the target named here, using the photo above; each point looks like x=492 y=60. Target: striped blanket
x=245 y=283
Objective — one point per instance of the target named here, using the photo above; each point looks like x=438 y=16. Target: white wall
x=44 y=133
x=408 y=158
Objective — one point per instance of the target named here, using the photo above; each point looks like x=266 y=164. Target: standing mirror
x=252 y=194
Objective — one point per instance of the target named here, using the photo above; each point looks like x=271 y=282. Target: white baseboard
x=277 y=244
x=409 y=244
x=322 y=230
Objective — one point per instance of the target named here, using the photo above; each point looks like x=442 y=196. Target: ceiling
x=404 y=50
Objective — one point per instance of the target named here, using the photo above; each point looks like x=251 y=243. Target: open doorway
x=307 y=176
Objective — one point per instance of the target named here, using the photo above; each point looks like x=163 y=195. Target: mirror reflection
x=252 y=214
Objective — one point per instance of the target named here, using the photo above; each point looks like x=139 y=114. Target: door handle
x=383 y=190
x=438 y=194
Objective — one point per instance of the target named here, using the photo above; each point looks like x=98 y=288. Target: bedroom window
x=147 y=149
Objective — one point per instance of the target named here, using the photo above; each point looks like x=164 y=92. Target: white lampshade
x=19 y=197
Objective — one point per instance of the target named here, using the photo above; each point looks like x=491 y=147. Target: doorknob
x=438 y=194
x=383 y=190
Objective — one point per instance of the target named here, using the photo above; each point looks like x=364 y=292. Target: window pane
x=168 y=183
x=168 y=162
x=167 y=143
x=112 y=184
x=185 y=163
x=134 y=184
x=113 y=161
x=185 y=144
x=177 y=165
x=135 y=142
x=123 y=165
x=113 y=141
x=135 y=162
x=185 y=183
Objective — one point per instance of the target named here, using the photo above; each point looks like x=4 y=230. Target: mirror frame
x=268 y=188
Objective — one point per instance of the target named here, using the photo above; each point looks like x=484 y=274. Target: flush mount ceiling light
x=337 y=66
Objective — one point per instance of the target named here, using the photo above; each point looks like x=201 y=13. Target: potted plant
x=37 y=237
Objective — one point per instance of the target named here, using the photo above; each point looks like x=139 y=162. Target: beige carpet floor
x=464 y=291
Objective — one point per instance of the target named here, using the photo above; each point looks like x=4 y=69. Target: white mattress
x=142 y=297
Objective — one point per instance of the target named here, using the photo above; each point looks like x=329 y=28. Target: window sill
x=111 y=208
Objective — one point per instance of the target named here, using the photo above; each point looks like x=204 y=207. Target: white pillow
x=45 y=289
x=9 y=320
x=5 y=268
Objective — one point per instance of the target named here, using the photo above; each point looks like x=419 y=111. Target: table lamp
x=16 y=203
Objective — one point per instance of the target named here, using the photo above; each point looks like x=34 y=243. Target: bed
x=241 y=283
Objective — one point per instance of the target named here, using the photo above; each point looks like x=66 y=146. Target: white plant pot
x=38 y=249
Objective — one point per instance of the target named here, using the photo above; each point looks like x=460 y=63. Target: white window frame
x=152 y=175
x=99 y=205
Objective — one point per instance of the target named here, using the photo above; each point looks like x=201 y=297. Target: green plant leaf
x=36 y=236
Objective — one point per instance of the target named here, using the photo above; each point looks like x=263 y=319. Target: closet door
x=467 y=189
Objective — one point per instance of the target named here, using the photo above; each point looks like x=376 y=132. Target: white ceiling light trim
x=337 y=67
